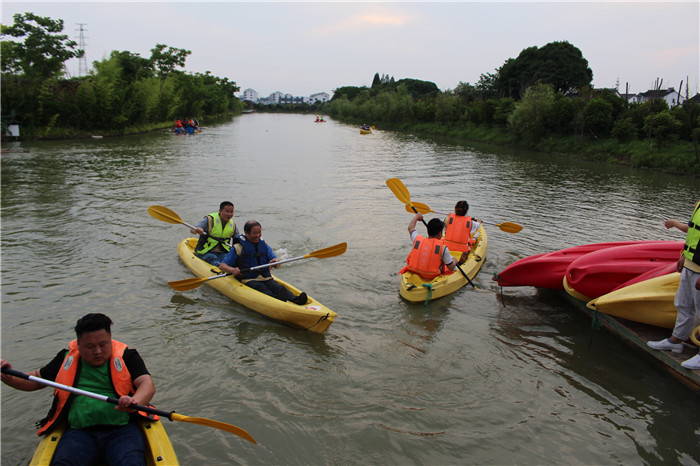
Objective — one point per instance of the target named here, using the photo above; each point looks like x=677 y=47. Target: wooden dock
x=637 y=335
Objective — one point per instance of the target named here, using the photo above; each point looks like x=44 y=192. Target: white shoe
x=693 y=363
x=666 y=344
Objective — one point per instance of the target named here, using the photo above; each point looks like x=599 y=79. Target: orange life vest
x=458 y=233
x=425 y=258
x=121 y=378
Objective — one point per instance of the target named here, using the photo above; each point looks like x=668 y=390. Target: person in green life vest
x=97 y=431
x=217 y=232
x=687 y=300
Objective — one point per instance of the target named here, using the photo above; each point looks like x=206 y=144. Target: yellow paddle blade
x=420 y=207
x=330 y=251
x=215 y=424
x=164 y=214
x=399 y=189
x=510 y=227
x=187 y=284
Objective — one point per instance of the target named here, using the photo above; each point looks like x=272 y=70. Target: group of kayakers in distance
x=186 y=125
x=221 y=244
x=319 y=119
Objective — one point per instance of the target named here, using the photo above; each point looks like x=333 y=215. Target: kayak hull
x=599 y=272
x=159 y=450
x=647 y=302
x=312 y=316
x=416 y=289
x=548 y=269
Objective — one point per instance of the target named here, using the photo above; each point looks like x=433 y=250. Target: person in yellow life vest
x=97 y=431
x=460 y=229
x=687 y=299
x=429 y=257
x=217 y=233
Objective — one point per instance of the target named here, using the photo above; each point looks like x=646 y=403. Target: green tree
x=558 y=63
x=42 y=52
x=376 y=81
x=165 y=61
x=529 y=121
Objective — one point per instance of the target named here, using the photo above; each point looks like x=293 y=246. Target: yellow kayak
x=648 y=302
x=312 y=316
x=416 y=289
x=159 y=450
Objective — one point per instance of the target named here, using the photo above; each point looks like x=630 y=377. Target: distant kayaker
x=252 y=251
x=460 y=229
x=429 y=256
x=217 y=231
x=97 y=430
x=687 y=299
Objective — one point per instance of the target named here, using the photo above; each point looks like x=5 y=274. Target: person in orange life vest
x=425 y=257
x=460 y=229
x=97 y=431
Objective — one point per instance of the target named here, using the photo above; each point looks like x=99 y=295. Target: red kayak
x=653 y=273
x=599 y=272
x=547 y=270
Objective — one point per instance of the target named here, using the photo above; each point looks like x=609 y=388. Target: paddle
x=168 y=216
x=173 y=416
x=508 y=227
x=192 y=283
x=401 y=192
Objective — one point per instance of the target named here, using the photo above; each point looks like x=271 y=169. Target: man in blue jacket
x=252 y=251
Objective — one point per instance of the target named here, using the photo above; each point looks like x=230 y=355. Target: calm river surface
x=463 y=380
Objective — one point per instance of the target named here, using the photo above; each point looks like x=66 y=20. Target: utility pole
x=82 y=61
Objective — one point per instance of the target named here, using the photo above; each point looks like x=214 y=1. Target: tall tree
x=558 y=63
x=42 y=52
x=165 y=61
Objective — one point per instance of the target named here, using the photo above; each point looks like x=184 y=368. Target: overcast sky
x=305 y=47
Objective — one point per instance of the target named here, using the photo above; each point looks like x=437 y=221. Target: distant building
x=670 y=95
x=250 y=95
x=319 y=97
x=277 y=98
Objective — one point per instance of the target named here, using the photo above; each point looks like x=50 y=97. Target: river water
x=463 y=380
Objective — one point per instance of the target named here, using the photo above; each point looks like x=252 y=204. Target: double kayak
x=647 y=302
x=416 y=289
x=599 y=272
x=312 y=316
x=159 y=450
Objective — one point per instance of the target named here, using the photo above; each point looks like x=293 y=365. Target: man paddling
x=252 y=251
x=217 y=232
x=429 y=257
x=97 y=431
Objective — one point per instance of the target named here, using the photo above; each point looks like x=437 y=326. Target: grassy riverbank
x=676 y=157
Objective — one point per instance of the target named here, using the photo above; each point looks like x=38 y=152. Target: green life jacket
x=690 y=249
x=216 y=230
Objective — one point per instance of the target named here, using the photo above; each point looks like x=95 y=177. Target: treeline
x=124 y=93
x=540 y=101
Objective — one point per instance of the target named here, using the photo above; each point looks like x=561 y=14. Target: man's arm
x=412 y=225
x=19 y=383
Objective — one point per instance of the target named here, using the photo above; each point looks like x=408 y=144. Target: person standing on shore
x=687 y=299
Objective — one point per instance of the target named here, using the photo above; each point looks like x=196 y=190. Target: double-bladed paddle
x=172 y=415
x=401 y=192
x=508 y=227
x=168 y=216
x=192 y=283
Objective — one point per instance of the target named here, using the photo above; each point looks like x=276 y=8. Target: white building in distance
x=280 y=98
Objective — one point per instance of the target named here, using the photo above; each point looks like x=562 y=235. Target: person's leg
x=260 y=286
x=687 y=303
x=125 y=446
x=279 y=291
x=76 y=447
x=214 y=258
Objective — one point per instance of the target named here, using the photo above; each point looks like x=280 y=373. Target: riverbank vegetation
x=124 y=93
x=542 y=101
